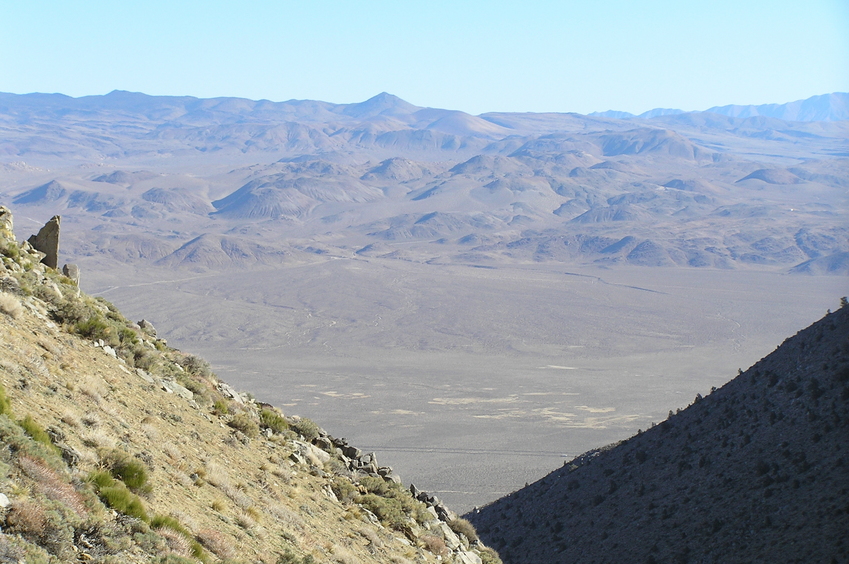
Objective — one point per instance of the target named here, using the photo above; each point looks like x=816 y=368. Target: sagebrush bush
x=270 y=419
x=344 y=490
x=375 y=485
x=94 y=328
x=195 y=365
x=464 y=527
x=395 y=503
x=490 y=556
x=244 y=423
x=71 y=312
x=387 y=509
x=307 y=428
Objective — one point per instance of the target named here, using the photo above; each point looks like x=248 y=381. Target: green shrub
x=72 y=312
x=5 y=403
x=95 y=327
x=17 y=440
x=219 y=407
x=127 y=337
x=10 y=249
x=143 y=358
x=344 y=490
x=270 y=419
x=132 y=472
x=101 y=479
x=119 y=498
x=244 y=423
x=375 y=485
x=197 y=387
x=306 y=428
x=195 y=365
x=387 y=509
x=397 y=504
x=37 y=432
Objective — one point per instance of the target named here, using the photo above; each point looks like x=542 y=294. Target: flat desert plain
x=471 y=381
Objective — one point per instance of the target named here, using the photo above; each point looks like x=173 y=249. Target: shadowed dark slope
x=758 y=471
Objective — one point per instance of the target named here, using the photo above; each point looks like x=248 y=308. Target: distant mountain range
x=664 y=189
x=826 y=107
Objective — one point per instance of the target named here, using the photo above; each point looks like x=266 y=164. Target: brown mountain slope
x=758 y=471
x=117 y=448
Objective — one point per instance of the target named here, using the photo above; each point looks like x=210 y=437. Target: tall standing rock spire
x=47 y=241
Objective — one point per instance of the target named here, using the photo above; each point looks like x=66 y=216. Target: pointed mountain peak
x=383 y=104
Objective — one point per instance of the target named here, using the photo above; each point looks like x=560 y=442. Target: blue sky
x=475 y=56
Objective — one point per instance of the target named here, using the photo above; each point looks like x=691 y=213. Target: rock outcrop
x=47 y=242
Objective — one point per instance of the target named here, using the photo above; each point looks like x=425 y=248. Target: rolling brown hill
x=756 y=471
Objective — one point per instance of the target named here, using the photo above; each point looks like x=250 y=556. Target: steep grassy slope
x=757 y=471
x=115 y=447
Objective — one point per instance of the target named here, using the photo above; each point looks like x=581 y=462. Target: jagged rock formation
x=758 y=471
x=115 y=447
x=47 y=241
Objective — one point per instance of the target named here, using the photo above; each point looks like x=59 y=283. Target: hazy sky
x=475 y=56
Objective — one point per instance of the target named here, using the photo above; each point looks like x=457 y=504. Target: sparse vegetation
x=270 y=419
x=129 y=470
x=306 y=428
x=37 y=432
x=113 y=425
x=10 y=305
x=464 y=527
x=245 y=423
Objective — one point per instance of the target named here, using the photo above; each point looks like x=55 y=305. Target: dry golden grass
x=238 y=498
x=10 y=305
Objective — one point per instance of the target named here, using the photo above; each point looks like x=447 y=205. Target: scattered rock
x=228 y=391
x=72 y=271
x=147 y=327
x=463 y=557
x=173 y=387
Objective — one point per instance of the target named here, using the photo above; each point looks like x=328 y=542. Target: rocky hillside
x=757 y=471
x=119 y=448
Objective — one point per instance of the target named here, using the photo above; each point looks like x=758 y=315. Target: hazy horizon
x=476 y=57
